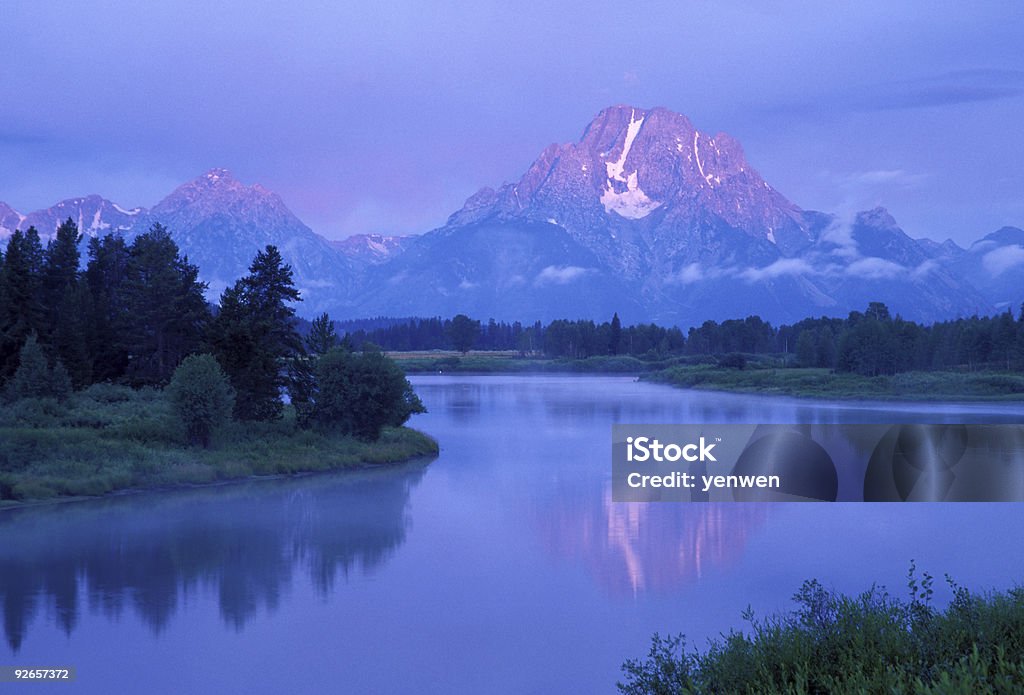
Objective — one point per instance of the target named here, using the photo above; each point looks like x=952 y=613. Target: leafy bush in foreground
x=201 y=396
x=871 y=643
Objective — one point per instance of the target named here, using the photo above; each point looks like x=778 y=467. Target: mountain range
x=645 y=215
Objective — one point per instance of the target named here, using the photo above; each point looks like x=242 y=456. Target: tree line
x=136 y=310
x=872 y=342
x=136 y=314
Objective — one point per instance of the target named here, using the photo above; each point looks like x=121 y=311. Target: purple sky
x=384 y=117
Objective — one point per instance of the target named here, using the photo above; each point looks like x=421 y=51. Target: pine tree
x=22 y=288
x=322 y=336
x=66 y=303
x=254 y=336
x=463 y=332
x=166 y=314
x=32 y=378
x=615 y=335
x=105 y=277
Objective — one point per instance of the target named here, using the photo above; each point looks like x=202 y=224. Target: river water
x=503 y=566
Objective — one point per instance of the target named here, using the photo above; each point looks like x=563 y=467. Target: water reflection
x=633 y=548
x=242 y=543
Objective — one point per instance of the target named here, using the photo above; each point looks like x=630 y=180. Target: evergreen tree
x=32 y=378
x=21 y=282
x=61 y=261
x=105 y=277
x=463 y=332
x=66 y=302
x=322 y=336
x=166 y=313
x=615 y=335
x=254 y=336
x=805 y=352
x=321 y=339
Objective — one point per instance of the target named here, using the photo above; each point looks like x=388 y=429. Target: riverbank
x=873 y=642
x=511 y=362
x=761 y=375
x=824 y=383
x=110 y=438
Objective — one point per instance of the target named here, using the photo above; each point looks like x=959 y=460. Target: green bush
x=361 y=393
x=109 y=393
x=734 y=360
x=35 y=379
x=201 y=397
x=871 y=643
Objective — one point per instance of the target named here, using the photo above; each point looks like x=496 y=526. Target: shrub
x=871 y=643
x=201 y=397
x=360 y=394
x=34 y=378
x=734 y=360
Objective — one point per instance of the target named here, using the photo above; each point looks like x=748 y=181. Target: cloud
x=840 y=233
x=687 y=275
x=560 y=275
x=947 y=89
x=1002 y=259
x=923 y=269
x=873 y=268
x=884 y=177
x=783 y=266
x=467 y=285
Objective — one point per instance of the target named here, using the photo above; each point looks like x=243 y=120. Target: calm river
x=501 y=567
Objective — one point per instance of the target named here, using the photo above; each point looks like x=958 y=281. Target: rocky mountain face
x=645 y=215
x=995 y=265
x=373 y=249
x=662 y=222
x=220 y=223
x=94 y=216
x=10 y=220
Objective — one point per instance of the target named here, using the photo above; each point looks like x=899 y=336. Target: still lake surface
x=500 y=567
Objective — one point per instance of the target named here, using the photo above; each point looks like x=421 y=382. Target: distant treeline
x=871 y=343
x=136 y=310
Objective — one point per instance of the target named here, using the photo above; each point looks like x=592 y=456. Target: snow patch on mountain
x=633 y=203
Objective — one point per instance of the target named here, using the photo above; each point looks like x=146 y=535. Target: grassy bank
x=506 y=362
x=871 y=643
x=109 y=438
x=824 y=383
x=762 y=374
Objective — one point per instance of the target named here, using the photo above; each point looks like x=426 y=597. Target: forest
x=120 y=374
x=869 y=343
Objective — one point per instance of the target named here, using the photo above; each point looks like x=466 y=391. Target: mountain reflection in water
x=633 y=548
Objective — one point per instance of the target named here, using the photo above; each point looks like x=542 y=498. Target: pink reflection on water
x=633 y=548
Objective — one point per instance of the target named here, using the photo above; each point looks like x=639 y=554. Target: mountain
x=995 y=264
x=10 y=220
x=648 y=216
x=94 y=216
x=373 y=248
x=644 y=215
x=220 y=223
